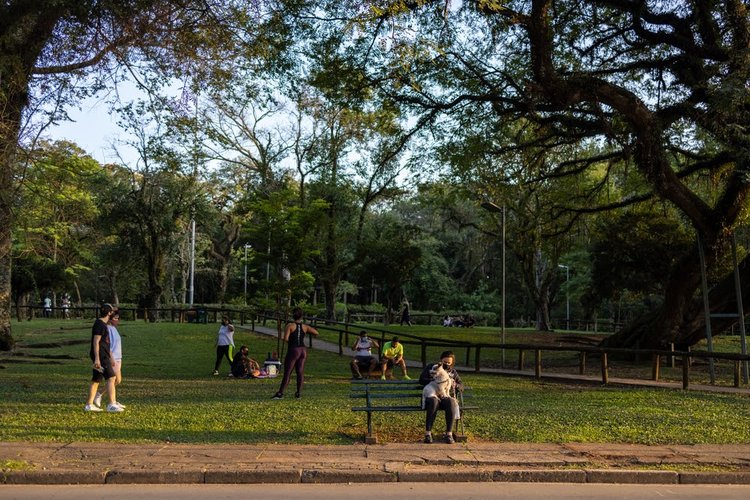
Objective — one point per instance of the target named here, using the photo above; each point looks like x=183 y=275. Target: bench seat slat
x=389 y=396
x=387 y=408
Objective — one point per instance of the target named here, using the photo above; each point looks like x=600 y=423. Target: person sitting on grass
x=393 y=355
x=244 y=366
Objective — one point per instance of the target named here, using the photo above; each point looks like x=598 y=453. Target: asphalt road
x=541 y=491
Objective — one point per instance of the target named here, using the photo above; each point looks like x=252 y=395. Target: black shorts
x=107 y=371
x=364 y=360
x=388 y=362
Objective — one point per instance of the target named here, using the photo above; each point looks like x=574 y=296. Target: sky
x=93 y=129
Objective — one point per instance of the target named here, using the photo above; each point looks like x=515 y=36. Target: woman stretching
x=296 y=354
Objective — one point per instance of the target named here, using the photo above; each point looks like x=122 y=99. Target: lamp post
x=247 y=245
x=191 y=289
x=491 y=207
x=567 y=295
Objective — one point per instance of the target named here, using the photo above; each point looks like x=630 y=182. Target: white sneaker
x=98 y=399
x=91 y=408
x=114 y=408
x=120 y=405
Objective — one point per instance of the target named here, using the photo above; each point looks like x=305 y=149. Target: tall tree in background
x=56 y=211
x=663 y=83
x=54 y=52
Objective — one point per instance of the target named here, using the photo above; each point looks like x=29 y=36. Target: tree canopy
x=596 y=124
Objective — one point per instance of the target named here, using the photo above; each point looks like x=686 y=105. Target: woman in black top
x=296 y=354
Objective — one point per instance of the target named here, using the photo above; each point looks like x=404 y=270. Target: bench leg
x=370 y=438
x=459 y=434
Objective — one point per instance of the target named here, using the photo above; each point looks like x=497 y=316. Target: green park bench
x=399 y=396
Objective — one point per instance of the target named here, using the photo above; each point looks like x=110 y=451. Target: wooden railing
x=344 y=330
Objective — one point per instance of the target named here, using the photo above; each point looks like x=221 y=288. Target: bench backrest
x=390 y=391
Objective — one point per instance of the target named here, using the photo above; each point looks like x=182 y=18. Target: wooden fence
x=345 y=330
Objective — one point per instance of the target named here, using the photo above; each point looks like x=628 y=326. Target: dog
x=439 y=386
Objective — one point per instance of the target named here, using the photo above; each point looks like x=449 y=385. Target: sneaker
x=91 y=408
x=449 y=439
x=382 y=377
x=120 y=405
x=428 y=438
x=297 y=395
x=278 y=395
x=115 y=408
x=407 y=377
x=98 y=399
x=216 y=372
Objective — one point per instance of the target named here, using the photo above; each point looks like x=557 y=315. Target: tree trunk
x=329 y=291
x=10 y=114
x=155 y=274
x=23 y=39
x=681 y=319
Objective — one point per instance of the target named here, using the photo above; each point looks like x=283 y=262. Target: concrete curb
x=408 y=475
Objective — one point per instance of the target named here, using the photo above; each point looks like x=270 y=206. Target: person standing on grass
x=405 y=314
x=115 y=343
x=47 y=307
x=224 y=343
x=296 y=354
x=102 y=357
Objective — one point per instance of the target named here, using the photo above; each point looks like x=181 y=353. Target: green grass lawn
x=172 y=397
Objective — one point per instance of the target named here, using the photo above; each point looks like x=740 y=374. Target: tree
x=663 y=85
x=148 y=210
x=48 y=47
x=56 y=211
x=389 y=256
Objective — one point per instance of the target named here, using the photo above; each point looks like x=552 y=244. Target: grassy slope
x=171 y=396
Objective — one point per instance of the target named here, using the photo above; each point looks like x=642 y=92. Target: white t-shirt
x=226 y=336
x=115 y=343
x=363 y=346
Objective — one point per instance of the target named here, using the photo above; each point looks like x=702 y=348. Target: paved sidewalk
x=99 y=463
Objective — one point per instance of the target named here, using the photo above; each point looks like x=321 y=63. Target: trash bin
x=201 y=316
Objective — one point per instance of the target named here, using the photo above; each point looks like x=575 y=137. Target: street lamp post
x=191 y=289
x=491 y=207
x=567 y=295
x=247 y=245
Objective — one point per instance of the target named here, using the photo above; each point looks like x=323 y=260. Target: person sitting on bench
x=448 y=404
x=363 y=357
x=393 y=355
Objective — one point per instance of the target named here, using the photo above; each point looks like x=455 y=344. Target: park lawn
x=172 y=397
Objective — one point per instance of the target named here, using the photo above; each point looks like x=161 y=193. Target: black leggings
x=295 y=359
x=221 y=351
x=433 y=405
